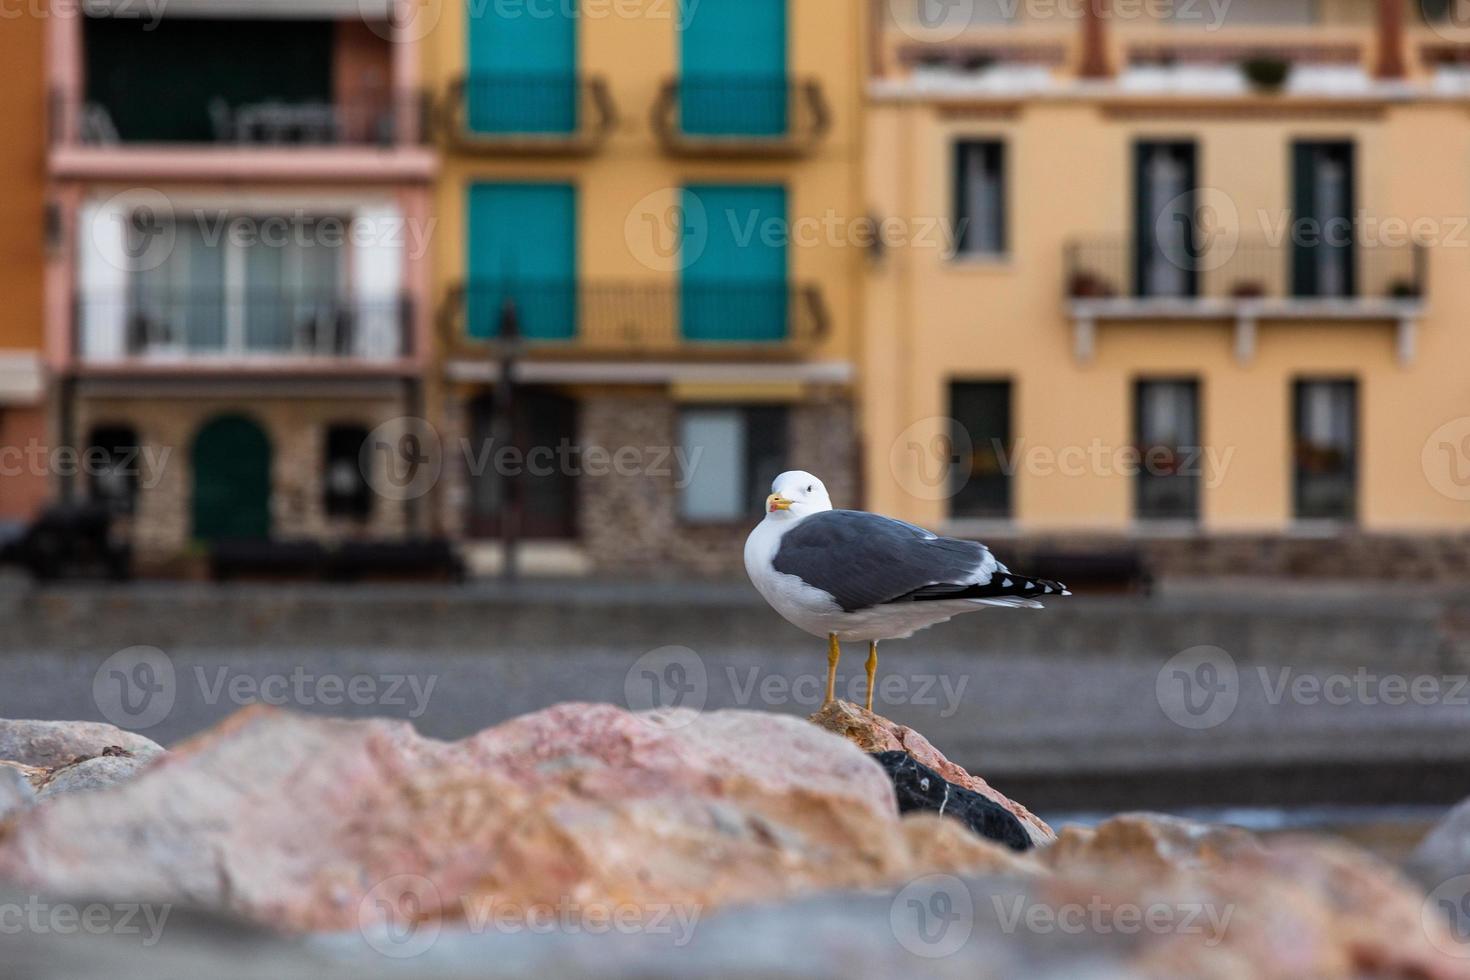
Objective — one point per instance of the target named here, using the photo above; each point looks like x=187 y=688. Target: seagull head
x=795 y=495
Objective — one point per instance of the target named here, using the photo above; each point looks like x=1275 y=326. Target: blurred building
x=24 y=466
x=636 y=263
x=1199 y=289
x=237 y=290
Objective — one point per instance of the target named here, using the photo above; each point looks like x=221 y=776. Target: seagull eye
x=808 y=489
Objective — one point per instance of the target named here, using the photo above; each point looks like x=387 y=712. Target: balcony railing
x=631 y=319
x=1239 y=270
x=370 y=122
x=528 y=113
x=153 y=324
x=734 y=116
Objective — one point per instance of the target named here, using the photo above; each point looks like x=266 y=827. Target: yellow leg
x=872 y=669
x=833 y=652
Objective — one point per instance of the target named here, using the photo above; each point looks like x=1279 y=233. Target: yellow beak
x=777 y=502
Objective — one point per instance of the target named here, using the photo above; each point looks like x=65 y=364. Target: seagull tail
x=1005 y=588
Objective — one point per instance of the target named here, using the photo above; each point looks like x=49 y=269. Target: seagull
x=850 y=575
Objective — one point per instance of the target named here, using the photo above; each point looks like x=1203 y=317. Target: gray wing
x=865 y=560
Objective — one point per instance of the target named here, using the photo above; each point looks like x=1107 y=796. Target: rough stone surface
x=875 y=734
x=16 y=792
x=1197 y=902
x=921 y=789
x=295 y=821
x=98 y=772
x=50 y=744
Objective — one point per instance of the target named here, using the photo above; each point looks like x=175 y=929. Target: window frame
x=1008 y=513
x=960 y=199
x=748 y=411
x=1298 y=384
x=1142 y=475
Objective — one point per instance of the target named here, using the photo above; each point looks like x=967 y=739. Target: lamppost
x=507 y=433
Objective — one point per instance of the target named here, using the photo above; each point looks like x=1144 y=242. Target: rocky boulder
x=876 y=735
x=49 y=744
x=309 y=824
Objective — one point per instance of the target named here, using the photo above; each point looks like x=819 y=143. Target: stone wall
x=631 y=523
x=297 y=429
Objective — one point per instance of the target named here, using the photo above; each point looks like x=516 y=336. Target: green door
x=232 y=480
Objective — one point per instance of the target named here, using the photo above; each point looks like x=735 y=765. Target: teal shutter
x=735 y=287
x=732 y=67
x=523 y=246
x=522 y=68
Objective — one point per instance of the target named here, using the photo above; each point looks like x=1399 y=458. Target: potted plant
x=1248 y=289
x=1266 y=72
x=1088 y=285
x=1403 y=289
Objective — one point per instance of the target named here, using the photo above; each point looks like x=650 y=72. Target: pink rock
x=873 y=733
x=303 y=823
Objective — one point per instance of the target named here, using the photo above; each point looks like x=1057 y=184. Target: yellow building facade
x=664 y=195
x=1200 y=285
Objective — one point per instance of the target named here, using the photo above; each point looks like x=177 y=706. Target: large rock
x=875 y=734
x=16 y=791
x=49 y=744
x=98 y=772
x=303 y=823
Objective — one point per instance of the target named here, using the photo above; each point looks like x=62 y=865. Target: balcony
x=234 y=97
x=728 y=116
x=155 y=327
x=597 y=319
x=528 y=114
x=1245 y=282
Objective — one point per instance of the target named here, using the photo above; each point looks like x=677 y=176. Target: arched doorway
x=232 y=480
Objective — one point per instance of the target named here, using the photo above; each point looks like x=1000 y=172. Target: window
x=1166 y=247
x=1323 y=232
x=275 y=287
x=1166 y=424
x=981 y=486
x=980 y=218
x=732 y=68
x=1326 y=449
x=733 y=287
x=114 y=461
x=346 y=490
x=733 y=455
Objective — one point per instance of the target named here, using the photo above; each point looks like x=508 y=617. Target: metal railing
x=1227 y=268
x=159 y=323
x=528 y=112
x=630 y=318
x=375 y=121
x=731 y=115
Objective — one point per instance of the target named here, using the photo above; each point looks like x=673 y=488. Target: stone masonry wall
x=297 y=429
x=632 y=524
